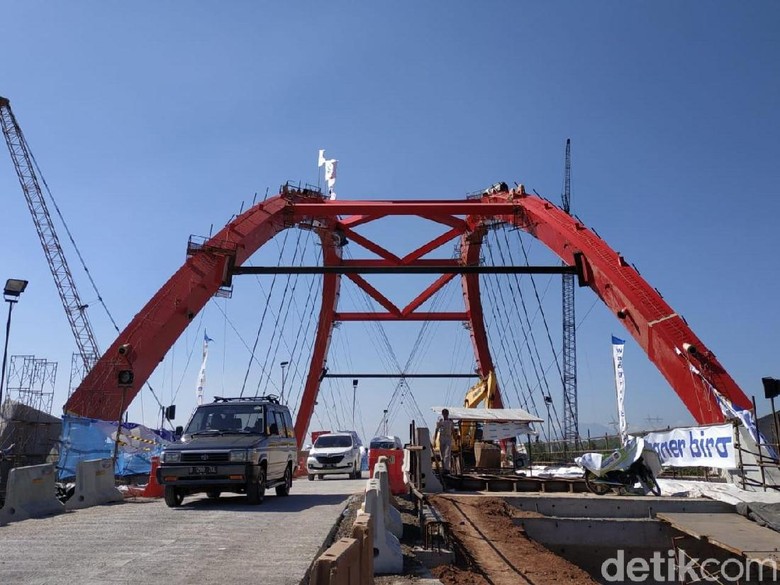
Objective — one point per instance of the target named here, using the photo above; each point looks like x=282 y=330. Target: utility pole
x=354 y=391
x=571 y=431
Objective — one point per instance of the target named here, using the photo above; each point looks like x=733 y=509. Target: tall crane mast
x=63 y=278
x=571 y=430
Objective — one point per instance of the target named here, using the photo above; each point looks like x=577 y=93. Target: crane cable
x=70 y=235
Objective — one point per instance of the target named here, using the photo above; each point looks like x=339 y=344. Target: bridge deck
x=730 y=532
x=203 y=541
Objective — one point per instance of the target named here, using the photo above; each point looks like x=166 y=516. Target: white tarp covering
x=711 y=446
x=488 y=414
x=497 y=431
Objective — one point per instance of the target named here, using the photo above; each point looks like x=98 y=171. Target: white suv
x=334 y=453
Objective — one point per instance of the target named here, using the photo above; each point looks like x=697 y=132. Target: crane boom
x=63 y=278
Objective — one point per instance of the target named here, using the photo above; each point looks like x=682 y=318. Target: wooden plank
x=730 y=532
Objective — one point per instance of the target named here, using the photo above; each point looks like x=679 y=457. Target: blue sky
x=154 y=121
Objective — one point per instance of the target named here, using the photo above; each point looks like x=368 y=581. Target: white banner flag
x=202 y=374
x=695 y=446
x=620 y=386
x=330 y=171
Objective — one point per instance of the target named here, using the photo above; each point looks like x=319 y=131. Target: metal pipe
x=5 y=350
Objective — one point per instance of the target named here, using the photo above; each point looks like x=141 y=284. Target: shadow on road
x=238 y=503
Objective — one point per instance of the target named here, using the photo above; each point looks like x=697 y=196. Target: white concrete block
x=388 y=558
x=393 y=520
x=30 y=493
x=95 y=485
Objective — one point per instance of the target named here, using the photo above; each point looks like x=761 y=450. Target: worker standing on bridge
x=444 y=435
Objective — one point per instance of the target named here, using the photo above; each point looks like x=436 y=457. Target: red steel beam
x=471 y=245
x=660 y=331
x=371 y=316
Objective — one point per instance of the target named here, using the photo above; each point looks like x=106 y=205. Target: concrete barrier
x=94 y=485
x=30 y=493
x=430 y=483
x=388 y=558
x=339 y=565
x=393 y=520
x=363 y=532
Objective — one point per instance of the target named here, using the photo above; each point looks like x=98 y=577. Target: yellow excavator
x=484 y=391
x=465 y=434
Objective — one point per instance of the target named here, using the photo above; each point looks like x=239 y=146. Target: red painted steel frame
x=649 y=319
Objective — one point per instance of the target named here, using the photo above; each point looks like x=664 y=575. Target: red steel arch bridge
x=682 y=358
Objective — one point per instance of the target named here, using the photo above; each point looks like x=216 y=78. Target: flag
x=330 y=171
x=618 y=346
x=202 y=374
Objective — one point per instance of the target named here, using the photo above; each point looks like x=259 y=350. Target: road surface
x=203 y=541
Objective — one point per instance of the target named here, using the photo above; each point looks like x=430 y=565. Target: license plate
x=203 y=469
x=329 y=465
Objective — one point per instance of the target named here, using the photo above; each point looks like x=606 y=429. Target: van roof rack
x=267 y=398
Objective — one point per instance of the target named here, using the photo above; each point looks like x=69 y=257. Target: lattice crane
x=58 y=264
x=571 y=426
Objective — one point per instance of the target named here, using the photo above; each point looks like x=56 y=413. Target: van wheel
x=255 y=490
x=213 y=494
x=284 y=490
x=173 y=497
x=311 y=477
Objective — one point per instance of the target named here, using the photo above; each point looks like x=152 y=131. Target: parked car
x=243 y=445
x=334 y=453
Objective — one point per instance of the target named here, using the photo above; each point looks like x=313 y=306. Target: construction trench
x=602 y=535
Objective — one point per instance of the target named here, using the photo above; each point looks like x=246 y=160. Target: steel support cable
x=70 y=235
x=518 y=350
x=457 y=356
x=305 y=316
x=542 y=380
x=307 y=348
x=262 y=318
x=278 y=332
x=189 y=358
x=535 y=360
x=549 y=338
x=505 y=333
x=238 y=334
x=544 y=317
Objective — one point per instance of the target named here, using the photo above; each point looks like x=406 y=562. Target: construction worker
x=444 y=432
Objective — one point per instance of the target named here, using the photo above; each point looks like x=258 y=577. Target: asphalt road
x=204 y=541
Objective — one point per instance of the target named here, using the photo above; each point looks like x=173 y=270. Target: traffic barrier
x=363 y=532
x=153 y=489
x=430 y=483
x=393 y=520
x=302 y=470
x=388 y=558
x=30 y=493
x=395 y=468
x=94 y=485
x=339 y=565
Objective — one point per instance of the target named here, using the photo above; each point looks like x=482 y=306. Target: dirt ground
x=489 y=548
x=492 y=550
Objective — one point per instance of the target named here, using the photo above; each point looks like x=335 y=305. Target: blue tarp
x=87 y=438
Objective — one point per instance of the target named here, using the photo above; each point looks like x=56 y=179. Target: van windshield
x=227 y=418
x=326 y=441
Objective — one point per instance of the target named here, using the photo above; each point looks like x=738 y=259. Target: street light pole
x=13 y=288
x=354 y=389
x=283 y=366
